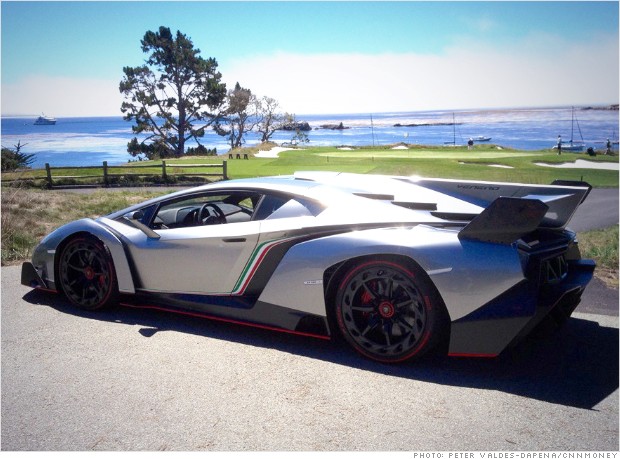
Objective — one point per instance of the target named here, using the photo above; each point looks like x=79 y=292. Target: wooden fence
x=108 y=174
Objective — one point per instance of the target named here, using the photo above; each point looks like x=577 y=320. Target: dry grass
x=602 y=246
x=27 y=215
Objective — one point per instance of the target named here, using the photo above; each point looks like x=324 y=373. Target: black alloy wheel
x=387 y=311
x=86 y=274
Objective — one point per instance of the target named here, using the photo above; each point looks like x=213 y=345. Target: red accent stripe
x=468 y=355
x=230 y=321
x=47 y=290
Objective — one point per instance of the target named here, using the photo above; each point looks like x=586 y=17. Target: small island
x=334 y=127
x=296 y=126
x=425 y=124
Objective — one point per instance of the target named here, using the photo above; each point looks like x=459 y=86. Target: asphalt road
x=132 y=380
x=600 y=210
x=143 y=380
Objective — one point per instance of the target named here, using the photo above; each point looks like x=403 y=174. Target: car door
x=184 y=255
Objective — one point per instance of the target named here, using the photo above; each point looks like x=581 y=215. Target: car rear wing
x=506 y=220
x=561 y=199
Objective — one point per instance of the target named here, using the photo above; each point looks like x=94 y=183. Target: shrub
x=15 y=159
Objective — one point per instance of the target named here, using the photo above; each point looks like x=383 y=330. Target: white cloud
x=539 y=71
x=61 y=96
x=470 y=75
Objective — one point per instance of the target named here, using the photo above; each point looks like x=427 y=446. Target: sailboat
x=571 y=146
x=453 y=141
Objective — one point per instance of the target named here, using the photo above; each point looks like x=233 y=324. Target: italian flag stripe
x=255 y=260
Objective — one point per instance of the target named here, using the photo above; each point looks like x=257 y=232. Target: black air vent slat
x=377 y=196
x=454 y=216
x=416 y=205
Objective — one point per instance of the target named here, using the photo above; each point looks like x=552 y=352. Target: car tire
x=86 y=274
x=389 y=311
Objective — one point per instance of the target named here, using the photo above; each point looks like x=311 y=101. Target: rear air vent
x=416 y=205
x=376 y=196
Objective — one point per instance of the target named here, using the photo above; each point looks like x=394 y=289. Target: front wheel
x=387 y=311
x=86 y=274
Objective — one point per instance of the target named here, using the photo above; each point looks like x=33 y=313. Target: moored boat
x=575 y=147
x=45 y=121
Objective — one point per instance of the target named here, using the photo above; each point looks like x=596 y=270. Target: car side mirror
x=135 y=215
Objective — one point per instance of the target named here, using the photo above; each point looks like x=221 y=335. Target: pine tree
x=173 y=97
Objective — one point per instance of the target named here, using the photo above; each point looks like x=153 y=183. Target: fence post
x=164 y=176
x=105 y=173
x=49 y=175
x=225 y=170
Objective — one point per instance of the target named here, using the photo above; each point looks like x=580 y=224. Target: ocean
x=89 y=141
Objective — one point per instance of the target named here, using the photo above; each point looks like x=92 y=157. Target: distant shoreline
x=610 y=107
x=83 y=140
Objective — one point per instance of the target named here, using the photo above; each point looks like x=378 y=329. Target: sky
x=66 y=58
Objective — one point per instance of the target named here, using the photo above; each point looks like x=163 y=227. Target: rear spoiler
x=505 y=220
x=562 y=197
x=574 y=183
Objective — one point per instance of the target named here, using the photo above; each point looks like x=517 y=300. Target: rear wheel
x=388 y=311
x=86 y=274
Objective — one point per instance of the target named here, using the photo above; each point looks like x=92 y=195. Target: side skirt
x=234 y=309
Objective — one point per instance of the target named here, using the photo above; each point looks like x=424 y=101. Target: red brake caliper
x=366 y=299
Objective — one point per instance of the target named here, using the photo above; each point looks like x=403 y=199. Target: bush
x=201 y=150
x=15 y=159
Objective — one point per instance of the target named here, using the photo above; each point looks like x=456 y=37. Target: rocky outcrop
x=609 y=107
x=334 y=127
x=297 y=126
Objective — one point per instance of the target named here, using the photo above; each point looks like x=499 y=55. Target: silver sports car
x=395 y=266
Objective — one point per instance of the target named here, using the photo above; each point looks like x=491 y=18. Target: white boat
x=45 y=121
x=481 y=138
x=571 y=146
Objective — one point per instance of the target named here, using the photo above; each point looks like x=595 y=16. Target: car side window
x=215 y=208
x=274 y=206
x=205 y=209
x=268 y=205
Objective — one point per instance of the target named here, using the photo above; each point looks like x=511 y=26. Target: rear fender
x=466 y=273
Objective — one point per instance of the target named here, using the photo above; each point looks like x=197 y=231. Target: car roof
x=330 y=188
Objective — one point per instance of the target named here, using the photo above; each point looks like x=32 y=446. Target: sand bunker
x=502 y=166
x=583 y=164
x=273 y=153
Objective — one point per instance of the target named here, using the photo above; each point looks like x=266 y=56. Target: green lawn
x=458 y=163
x=484 y=162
